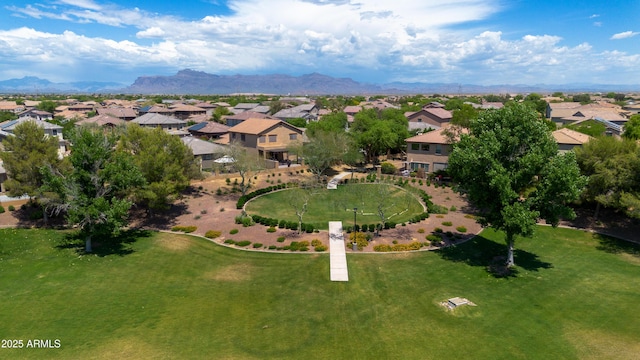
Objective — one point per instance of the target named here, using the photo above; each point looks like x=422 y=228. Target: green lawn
x=337 y=205
x=575 y=296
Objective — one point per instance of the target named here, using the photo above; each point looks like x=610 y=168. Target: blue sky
x=484 y=42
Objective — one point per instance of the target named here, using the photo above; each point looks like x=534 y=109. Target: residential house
x=269 y=138
x=169 y=124
x=183 y=111
x=568 y=139
x=308 y=112
x=36 y=114
x=8 y=127
x=11 y=106
x=430 y=151
x=242 y=107
x=206 y=152
x=208 y=129
x=233 y=120
x=586 y=114
x=429 y=118
x=123 y=113
x=103 y=120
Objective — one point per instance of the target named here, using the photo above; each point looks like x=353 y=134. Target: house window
x=207 y=156
x=293 y=136
x=262 y=139
x=55 y=132
x=233 y=135
x=415 y=146
x=273 y=138
x=419 y=120
x=242 y=137
x=425 y=147
x=438 y=149
x=415 y=166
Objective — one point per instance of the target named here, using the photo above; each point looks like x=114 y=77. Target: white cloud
x=404 y=40
x=624 y=35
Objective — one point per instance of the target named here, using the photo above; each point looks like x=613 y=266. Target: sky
x=483 y=42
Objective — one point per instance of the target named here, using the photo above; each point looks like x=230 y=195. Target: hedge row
x=282 y=224
x=244 y=198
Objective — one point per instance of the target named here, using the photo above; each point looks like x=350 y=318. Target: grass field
x=337 y=205
x=575 y=296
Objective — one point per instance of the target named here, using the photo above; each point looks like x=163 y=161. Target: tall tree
x=95 y=193
x=632 y=128
x=509 y=167
x=613 y=167
x=25 y=153
x=167 y=164
x=323 y=150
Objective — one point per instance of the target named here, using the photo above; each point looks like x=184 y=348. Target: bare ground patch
x=240 y=272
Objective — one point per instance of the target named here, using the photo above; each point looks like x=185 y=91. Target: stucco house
x=206 y=152
x=8 y=127
x=429 y=118
x=568 y=139
x=167 y=123
x=430 y=151
x=269 y=138
x=208 y=129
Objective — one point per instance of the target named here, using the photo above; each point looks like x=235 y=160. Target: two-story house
x=8 y=127
x=430 y=151
x=269 y=138
x=429 y=118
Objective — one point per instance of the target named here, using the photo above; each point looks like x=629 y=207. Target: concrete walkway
x=338 y=254
x=333 y=183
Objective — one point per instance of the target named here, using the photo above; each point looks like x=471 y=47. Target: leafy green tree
x=378 y=133
x=94 y=194
x=323 y=150
x=219 y=113
x=464 y=115
x=47 y=105
x=25 y=153
x=334 y=122
x=166 y=163
x=7 y=115
x=582 y=98
x=276 y=106
x=510 y=169
x=298 y=122
x=613 y=167
x=632 y=128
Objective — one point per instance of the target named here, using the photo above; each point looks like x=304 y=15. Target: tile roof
x=433 y=137
x=102 y=120
x=9 y=126
x=571 y=137
x=209 y=127
x=255 y=126
x=157 y=119
x=120 y=112
x=248 y=115
x=440 y=112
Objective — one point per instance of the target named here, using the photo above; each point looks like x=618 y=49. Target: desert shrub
x=229 y=241
x=461 y=229
x=421 y=231
x=11 y=208
x=247 y=221
x=271 y=229
x=387 y=168
x=272 y=247
x=197 y=217
x=243 y=243
x=282 y=224
x=212 y=234
x=372 y=227
x=221 y=209
x=233 y=231
x=447 y=223
x=308 y=228
x=257 y=245
x=395 y=241
x=438 y=230
x=203 y=211
x=320 y=248
x=185 y=229
x=434 y=238
x=316 y=242
x=2 y=209
x=280 y=239
x=219 y=192
x=449 y=234
x=299 y=246
x=382 y=248
x=452 y=208
x=360 y=239
x=471 y=216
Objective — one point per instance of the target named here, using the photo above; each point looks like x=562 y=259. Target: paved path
x=338 y=254
x=333 y=184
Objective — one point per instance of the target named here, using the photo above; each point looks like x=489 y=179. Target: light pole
x=355 y=230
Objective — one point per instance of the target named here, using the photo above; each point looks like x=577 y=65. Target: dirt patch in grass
x=230 y=273
x=592 y=344
x=175 y=243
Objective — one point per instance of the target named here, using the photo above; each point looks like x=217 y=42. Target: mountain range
x=198 y=82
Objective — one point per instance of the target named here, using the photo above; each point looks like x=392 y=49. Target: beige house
x=429 y=151
x=429 y=118
x=269 y=138
x=568 y=139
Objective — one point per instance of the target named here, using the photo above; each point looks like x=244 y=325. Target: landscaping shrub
x=185 y=229
x=212 y=234
x=421 y=231
x=372 y=227
x=280 y=239
x=434 y=238
x=387 y=168
x=257 y=245
x=449 y=234
x=320 y=248
x=243 y=243
x=299 y=246
x=452 y=208
x=360 y=239
x=2 y=209
x=233 y=231
x=229 y=241
x=447 y=223
x=437 y=209
x=282 y=224
x=316 y=242
x=382 y=248
x=271 y=229
x=461 y=229
x=272 y=247
x=11 y=208
x=438 y=230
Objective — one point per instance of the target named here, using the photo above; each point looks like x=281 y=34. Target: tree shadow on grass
x=120 y=245
x=480 y=251
x=617 y=246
